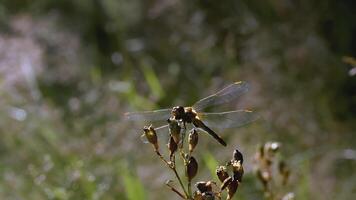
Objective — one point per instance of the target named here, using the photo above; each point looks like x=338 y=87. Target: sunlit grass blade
x=152 y=81
x=134 y=189
x=211 y=163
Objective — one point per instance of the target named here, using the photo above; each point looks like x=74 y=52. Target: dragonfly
x=204 y=120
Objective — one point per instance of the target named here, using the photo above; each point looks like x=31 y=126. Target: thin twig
x=180 y=182
x=175 y=190
x=169 y=164
x=172 y=166
x=189 y=188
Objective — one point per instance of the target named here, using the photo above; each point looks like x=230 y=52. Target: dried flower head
x=203 y=186
x=193 y=139
x=226 y=183
x=191 y=168
x=221 y=172
x=208 y=196
x=197 y=195
x=237 y=155
x=172 y=147
x=238 y=170
x=151 y=136
x=174 y=129
x=232 y=188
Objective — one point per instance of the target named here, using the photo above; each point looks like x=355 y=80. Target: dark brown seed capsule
x=237 y=155
x=221 y=172
x=226 y=183
x=232 y=189
x=238 y=170
x=192 y=140
x=191 y=168
x=174 y=129
x=204 y=186
x=197 y=195
x=151 y=136
x=172 y=146
x=208 y=186
x=208 y=196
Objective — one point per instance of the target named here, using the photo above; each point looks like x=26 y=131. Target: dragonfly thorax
x=190 y=114
x=186 y=114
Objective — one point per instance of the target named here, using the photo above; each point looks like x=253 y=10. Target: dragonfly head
x=178 y=112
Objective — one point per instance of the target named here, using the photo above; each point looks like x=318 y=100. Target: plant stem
x=180 y=182
x=176 y=191
x=163 y=159
x=172 y=166
x=189 y=188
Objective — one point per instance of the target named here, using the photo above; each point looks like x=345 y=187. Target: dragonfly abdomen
x=200 y=124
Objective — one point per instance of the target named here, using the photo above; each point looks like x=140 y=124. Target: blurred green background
x=70 y=69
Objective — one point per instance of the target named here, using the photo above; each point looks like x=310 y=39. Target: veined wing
x=229 y=93
x=155 y=115
x=230 y=119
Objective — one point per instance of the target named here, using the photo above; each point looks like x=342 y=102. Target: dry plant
x=272 y=172
x=230 y=174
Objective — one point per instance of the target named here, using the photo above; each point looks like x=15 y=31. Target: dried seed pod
x=201 y=186
x=151 y=136
x=172 y=146
x=191 y=168
x=226 y=183
x=192 y=139
x=174 y=129
x=197 y=195
x=221 y=172
x=238 y=170
x=237 y=155
x=232 y=188
x=204 y=186
x=208 y=196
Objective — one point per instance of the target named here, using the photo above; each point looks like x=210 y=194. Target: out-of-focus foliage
x=69 y=69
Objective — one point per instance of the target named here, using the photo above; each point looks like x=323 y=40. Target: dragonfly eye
x=178 y=111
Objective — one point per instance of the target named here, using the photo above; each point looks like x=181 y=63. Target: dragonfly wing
x=156 y=115
x=162 y=135
x=231 y=119
x=229 y=93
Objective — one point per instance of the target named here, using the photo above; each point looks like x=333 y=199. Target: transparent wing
x=162 y=135
x=156 y=115
x=229 y=93
x=231 y=119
